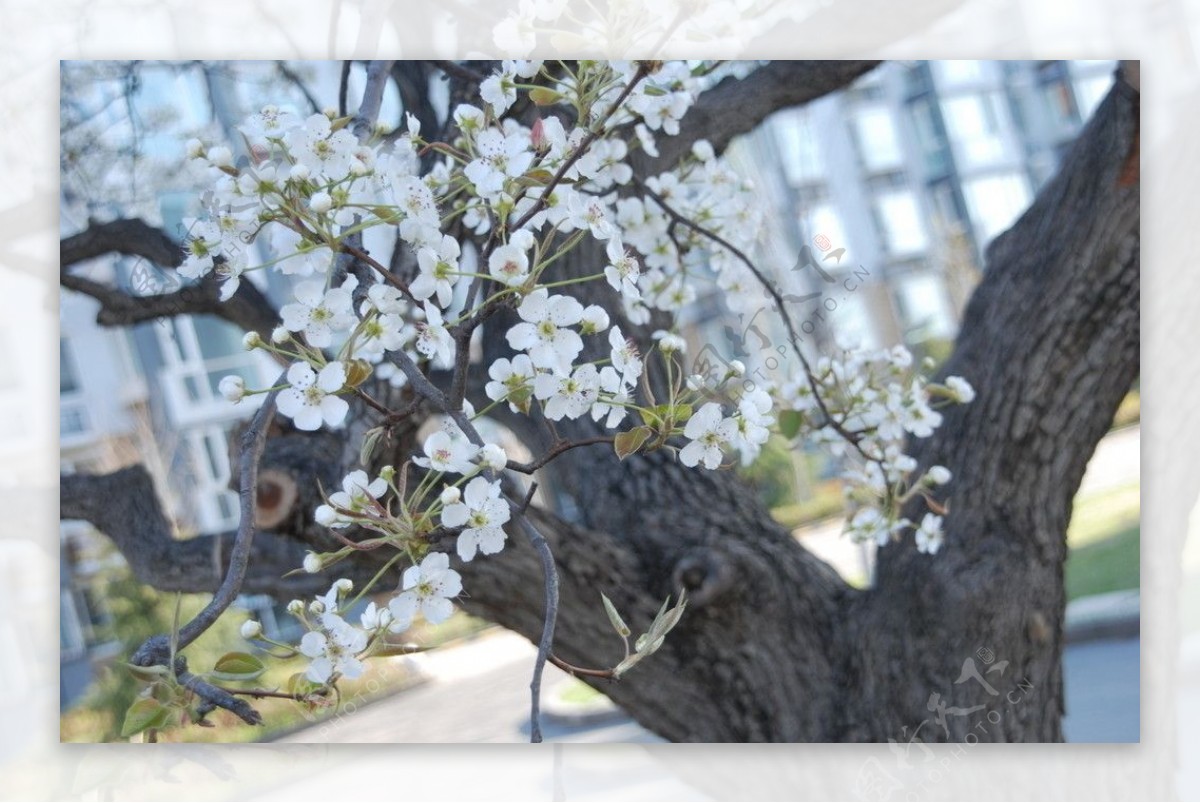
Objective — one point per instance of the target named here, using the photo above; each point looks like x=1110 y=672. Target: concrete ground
x=479 y=692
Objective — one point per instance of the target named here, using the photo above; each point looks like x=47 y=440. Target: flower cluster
x=526 y=194
x=879 y=401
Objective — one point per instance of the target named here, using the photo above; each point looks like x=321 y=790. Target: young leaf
x=368 y=446
x=298 y=685
x=238 y=666
x=615 y=618
x=145 y=713
x=790 y=422
x=148 y=674
x=626 y=443
x=544 y=96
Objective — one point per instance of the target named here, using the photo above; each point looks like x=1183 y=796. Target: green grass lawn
x=1105 y=543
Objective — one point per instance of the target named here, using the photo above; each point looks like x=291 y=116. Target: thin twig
x=571 y=669
x=554 y=451
x=851 y=437
x=389 y=277
x=289 y=74
x=378 y=73
x=253 y=440
x=344 y=88
x=546 y=642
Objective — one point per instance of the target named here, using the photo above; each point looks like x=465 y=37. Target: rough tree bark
x=774 y=646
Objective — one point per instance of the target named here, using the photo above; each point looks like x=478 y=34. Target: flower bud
x=450 y=495
x=299 y=172
x=280 y=335
x=195 y=148
x=326 y=516
x=251 y=629
x=938 y=475
x=312 y=563
x=737 y=368
x=321 y=202
x=251 y=341
x=221 y=156
x=344 y=585
x=233 y=388
x=295 y=607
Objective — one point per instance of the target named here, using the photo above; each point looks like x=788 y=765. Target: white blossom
x=509 y=265
x=358 y=494
x=317 y=313
x=482 y=513
x=448 y=454
x=427 y=589
x=309 y=401
x=544 y=333
x=709 y=432
x=571 y=395
x=929 y=535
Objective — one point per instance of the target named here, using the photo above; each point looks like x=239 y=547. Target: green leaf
x=537 y=177
x=145 y=713
x=648 y=644
x=615 y=618
x=544 y=96
x=626 y=443
x=238 y=666
x=790 y=422
x=147 y=673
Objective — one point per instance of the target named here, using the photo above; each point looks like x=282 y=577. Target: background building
x=913 y=169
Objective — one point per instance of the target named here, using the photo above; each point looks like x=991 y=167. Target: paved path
x=479 y=692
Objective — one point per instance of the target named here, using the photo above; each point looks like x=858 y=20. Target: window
x=956 y=72
x=875 y=135
x=994 y=202
x=973 y=123
x=924 y=307
x=798 y=148
x=900 y=223
x=72 y=420
x=68 y=379
x=822 y=220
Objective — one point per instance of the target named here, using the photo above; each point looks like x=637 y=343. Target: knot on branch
x=156 y=651
x=277 y=493
x=705 y=575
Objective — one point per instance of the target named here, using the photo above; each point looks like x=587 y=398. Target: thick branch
x=248 y=308
x=1050 y=341
x=124 y=506
x=735 y=106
